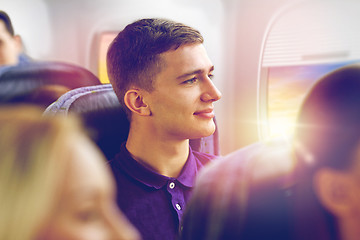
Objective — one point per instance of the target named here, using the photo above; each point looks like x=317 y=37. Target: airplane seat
x=102 y=114
x=19 y=82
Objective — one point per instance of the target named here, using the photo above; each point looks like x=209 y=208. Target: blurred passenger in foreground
x=11 y=48
x=327 y=147
x=243 y=196
x=54 y=183
x=274 y=191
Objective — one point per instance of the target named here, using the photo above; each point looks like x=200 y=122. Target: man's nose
x=211 y=93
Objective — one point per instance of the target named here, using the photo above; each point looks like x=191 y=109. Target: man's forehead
x=186 y=56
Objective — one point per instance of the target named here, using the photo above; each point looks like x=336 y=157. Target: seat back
x=20 y=81
x=103 y=115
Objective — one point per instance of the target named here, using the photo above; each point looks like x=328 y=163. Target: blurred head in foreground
x=328 y=150
x=54 y=183
x=264 y=192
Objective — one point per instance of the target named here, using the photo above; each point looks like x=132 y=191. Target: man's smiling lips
x=206 y=113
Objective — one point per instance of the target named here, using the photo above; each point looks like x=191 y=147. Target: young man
x=161 y=72
x=10 y=44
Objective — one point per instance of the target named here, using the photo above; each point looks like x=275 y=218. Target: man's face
x=339 y=192
x=181 y=103
x=10 y=47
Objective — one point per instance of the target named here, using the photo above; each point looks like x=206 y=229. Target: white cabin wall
x=76 y=23
x=63 y=30
x=246 y=24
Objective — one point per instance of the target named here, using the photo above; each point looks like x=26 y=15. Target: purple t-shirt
x=154 y=203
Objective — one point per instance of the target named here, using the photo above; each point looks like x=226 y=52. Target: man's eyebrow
x=194 y=73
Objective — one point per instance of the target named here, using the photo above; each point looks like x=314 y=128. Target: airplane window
x=296 y=52
x=105 y=40
x=287 y=86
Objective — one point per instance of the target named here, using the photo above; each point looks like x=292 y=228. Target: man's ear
x=334 y=190
x=19 y=43
x=134 y=100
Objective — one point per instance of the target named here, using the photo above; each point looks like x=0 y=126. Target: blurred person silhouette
x=306 y=190
x=11 y=47
x=245 y=195
x=54 y=183
x=327 y=148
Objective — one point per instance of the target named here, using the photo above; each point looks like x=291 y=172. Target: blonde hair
x=35 y=151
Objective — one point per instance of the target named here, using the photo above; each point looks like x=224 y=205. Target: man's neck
x=165 y=156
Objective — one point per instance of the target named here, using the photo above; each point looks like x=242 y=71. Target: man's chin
x=200 y=133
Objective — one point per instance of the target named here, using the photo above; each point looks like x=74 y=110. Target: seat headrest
x=16 y=81
x=102 y=113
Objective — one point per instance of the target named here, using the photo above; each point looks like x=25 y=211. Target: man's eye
x=190 y=81
x=211 y=76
